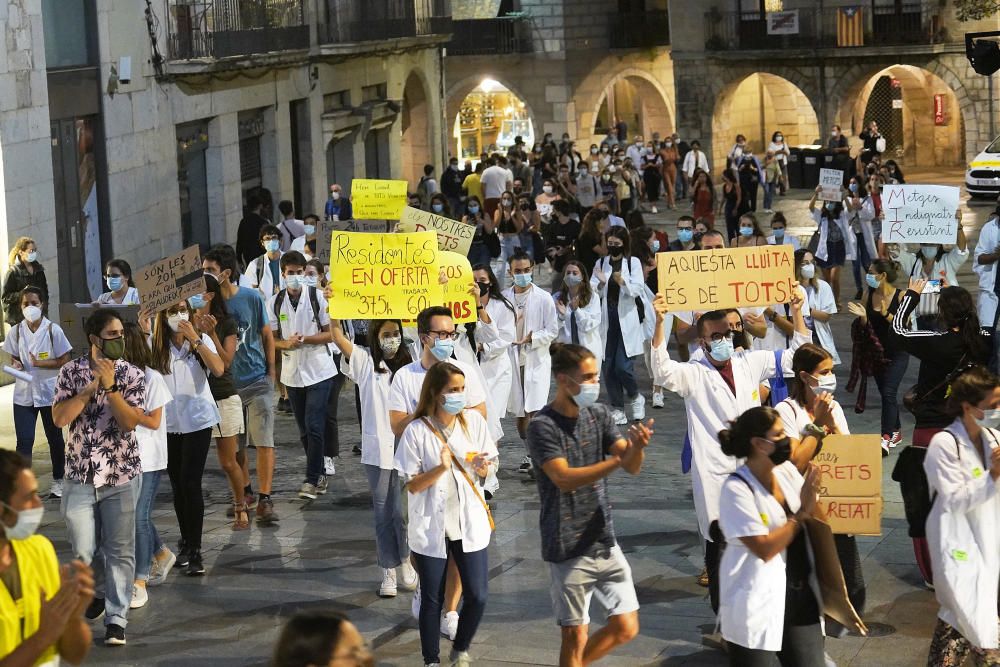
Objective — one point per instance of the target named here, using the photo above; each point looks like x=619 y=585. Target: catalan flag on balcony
x=850 y=27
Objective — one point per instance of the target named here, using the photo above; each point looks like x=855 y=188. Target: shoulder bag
x=456 y=462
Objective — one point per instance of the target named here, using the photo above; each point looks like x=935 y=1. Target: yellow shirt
x=473 y=186
x=38 y=568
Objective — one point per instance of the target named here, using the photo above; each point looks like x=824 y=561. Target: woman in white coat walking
x=579 y=310
x=495 y=336
x=837 y=242
x=820 y=302
x=620 y=281
x=963 y=528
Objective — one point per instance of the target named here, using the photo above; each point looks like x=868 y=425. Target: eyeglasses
x=443 y=335
x=716 y=337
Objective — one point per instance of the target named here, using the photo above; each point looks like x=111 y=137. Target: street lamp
x=984 y=56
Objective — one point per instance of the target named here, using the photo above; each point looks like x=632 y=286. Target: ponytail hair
x=957 y=310
x=890 y=268
x=971 y=387
x=567 y=357
x=754 y=423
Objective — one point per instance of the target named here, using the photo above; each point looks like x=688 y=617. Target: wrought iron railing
x=496 y=36
x=639 y=29
x=223 y=28
x=349 y=21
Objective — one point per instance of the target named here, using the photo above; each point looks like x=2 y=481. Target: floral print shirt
x=98 y=452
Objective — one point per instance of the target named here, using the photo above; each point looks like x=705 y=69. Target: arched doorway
x=917 y=113
x=415 y=141
x=488 y=118
x=638 y=102
x=756 y=107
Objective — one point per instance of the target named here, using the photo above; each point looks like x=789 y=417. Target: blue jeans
x=25 y=417
x=888 y=386
x=147 y=540
x=390 y=535
x=100 y=524
x=473 y=569
x=680 y=185
x=769 y=189
x=618 y=373
x=309 y=405
x=861 y=262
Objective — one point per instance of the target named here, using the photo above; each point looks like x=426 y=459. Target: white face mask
x=825 y=384
x=390 y=345
x=173 y=321
x=26 y=525
x=32 y=313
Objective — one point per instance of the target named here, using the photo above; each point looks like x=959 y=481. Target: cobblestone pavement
x=321 y=555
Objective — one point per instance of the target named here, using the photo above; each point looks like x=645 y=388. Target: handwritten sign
x=324 y=230
x=73 y=320
x=783 y=23
x=830 y=182
x=456 y=291
x=851 y=487
x=168 y=281
x=452 y=235
x=383 y=276
x=920 y=214
x=704 y=280
x=374 y=199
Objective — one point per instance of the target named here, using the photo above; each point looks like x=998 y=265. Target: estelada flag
x=850 y=27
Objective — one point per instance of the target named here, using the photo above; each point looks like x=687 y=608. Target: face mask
x=547 y=189
x=442 y=349
x=872 y=281
x=572 y=279
x=779 y=233
x=454 y=403
x=293 y=281
x=197 y=302
x=929 y=252
x=604 y=149
x=173 y=321
x=853 y=187
x=334 y=196
x=32 y=256
x=522 y=279
x=113 y=348
x=473 y=210
x=309 y=229
x=833 y=133
x=616 y=250
x=588 y=394
x=32 y=313
x=830 y=206
x=605 y=178
x=685 y=235
x=437 y=208
x=826 y=384
x=991 y=419
x=782 y=450
x=310 y=281
x=453 y=166
x=26 y=525
x=779 y=138
x=507 y=203
x=484 y=289
x=593 y=151
x=638 y=143
x=808 y=271
x=115 y=283
x=390 y=345
x=611 y=169
x=721 y=350
x=272 y=245
x=746 y=231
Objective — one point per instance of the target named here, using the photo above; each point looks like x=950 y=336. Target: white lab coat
x=266 y=286
x=710 y=406
x=989 y=239
x=465 y=354
x=588 y=326
x=821 y=298
x=633 y=332
x=497 y=339
x=541 y=320
x=963 y=533
x=850 y=242
x=866 y=214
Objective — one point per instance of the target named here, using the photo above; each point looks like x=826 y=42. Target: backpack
x=422 y=190
x=279 y=300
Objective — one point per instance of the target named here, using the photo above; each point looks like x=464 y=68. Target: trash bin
x=812 y=162
x=795 y=168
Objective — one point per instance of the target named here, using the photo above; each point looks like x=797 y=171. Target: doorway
x=192 y=184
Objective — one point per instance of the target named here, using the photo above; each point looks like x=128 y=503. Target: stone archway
x=636 y=95
x=415 y=141
x=459 y=133
x=756 y=105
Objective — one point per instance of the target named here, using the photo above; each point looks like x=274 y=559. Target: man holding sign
x=717 y=386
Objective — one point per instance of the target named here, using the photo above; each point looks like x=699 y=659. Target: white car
x=982 y=178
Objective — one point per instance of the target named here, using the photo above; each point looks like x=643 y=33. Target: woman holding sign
x=836 y=243
x=937 y=267
x=479 y=252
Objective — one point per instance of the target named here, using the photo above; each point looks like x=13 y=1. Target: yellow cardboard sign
x=452 y=235
x=704 y=280
x=854 y=515
x=851 y=483
x=374 y=199
x=383 y=276
x=456 y=291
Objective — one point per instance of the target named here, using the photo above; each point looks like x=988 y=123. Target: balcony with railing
x=639 y=30
x=198 y=29
x=909 y=23
x=502 y=35
x=353 y=21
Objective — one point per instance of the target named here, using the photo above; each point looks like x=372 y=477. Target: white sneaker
x=415 y=604
x=388 y=587
x=139 y=597
x=159 y=571
x=638 y=408
x=449 y=624
x=56 y=489
x=461 y=658
x=654 y=210
x=329 y=467
x=619 y=417
x=409 y=576
x=657 y=399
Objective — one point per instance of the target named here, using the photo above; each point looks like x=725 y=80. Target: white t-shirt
x=290 y=229
x=131 y=298
x=309 y=364
x=153 y=443
x=493 y=181
x=408 y=381
x=193 y=407
x=795 y=418
x=377 y=439
x=48 y=342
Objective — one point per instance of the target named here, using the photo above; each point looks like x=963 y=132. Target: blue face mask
x=830 y=206
x=272 y=245
x=473 y=210
x=522 y=279
x=929 y=252
x=722 y=350
x=309 y=229
x=685 y=235
x=197 y=302
x=442 y=349
x=872 y=281
x=454 y=403
x=853 y=187
x=310 y=281
x=655 y=245
x=588 y=394
x=779 y=233
x=293 y=281
x=437 y=208
x=573 y=280
x=746 y=231
x=115 y=283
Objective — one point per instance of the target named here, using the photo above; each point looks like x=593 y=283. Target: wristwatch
x=113 y=389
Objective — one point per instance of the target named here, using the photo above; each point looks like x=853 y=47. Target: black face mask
x=782 y=450
x=616 y=251
x=484 y=288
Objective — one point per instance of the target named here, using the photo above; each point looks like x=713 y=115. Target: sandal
x=241 y=519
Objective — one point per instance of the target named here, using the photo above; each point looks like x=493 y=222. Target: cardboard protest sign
x=452 y=235
x=369 y=226
x=456 y=291
x=73 y=319
x=324 y=230
x=851 y=486
x=919 y=214
x=830 y=182
x=383 y=276
x=374 y=199
x=168 y=281
x=704 y=280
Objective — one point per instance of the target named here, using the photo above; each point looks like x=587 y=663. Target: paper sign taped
x=73 y=319
x=456 y=291
x=853 y=515
x=453 y=236
x=374 y=199
x=851 y=483
x=920 y=214
x=830 y=183
x=169 y=281
x=383 y=276
x=704 y=280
